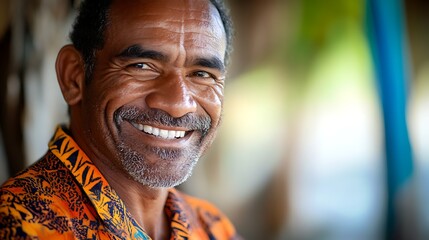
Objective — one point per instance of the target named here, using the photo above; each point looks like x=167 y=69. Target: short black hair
x=88 y=31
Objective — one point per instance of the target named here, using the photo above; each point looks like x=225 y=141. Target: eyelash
x=199 y=74
x=139 y=65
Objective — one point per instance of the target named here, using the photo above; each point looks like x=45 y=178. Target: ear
x=70 y=74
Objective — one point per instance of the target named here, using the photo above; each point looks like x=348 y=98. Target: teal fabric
x=387 y=36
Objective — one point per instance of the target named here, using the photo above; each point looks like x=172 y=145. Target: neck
x=145 y=204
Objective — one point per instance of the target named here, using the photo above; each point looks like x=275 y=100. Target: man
x=144 y=83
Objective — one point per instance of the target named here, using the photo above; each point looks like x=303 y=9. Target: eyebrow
x=213 y=62
x=136 y=51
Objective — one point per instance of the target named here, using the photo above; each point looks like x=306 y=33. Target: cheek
x=110 y=92
x=211 y=101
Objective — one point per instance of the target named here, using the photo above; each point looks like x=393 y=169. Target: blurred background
x=325 y=131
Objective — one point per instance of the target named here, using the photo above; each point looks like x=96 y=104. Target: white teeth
x=171 y=134
x=147 y=128
x=163 y=133
x=178 y=134
x=155 y=131
x=138 y=126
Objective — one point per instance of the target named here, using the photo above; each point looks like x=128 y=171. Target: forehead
x=191 y=24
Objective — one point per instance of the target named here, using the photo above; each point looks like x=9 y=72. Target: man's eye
x=142 y=66
x=202 y=74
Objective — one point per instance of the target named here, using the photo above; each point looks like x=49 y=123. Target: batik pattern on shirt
x=64 y=196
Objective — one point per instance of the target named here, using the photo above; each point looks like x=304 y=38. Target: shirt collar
x=106 y=201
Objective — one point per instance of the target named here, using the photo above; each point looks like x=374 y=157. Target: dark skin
x=166 y=55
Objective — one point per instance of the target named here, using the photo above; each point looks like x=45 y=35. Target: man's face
x=155 y=100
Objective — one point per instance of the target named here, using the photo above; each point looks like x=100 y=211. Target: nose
x=172 y=96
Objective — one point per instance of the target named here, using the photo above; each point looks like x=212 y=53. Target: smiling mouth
x=159 y=132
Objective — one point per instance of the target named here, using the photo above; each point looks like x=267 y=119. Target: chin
x=163 y=168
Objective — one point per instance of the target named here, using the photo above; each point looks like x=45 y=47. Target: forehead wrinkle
x=182 y=52
x=188 y=23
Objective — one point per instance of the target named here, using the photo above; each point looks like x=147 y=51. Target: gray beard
x=163 y=168
x=160 y=174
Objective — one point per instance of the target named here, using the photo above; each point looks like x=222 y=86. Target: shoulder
x=201 y=205
x=37 y=199
x=43 y=179
x=212 y=219
x=30 y=182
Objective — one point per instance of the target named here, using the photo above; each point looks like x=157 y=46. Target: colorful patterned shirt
x=64 y=196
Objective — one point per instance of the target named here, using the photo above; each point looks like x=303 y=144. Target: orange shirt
x=64 y=196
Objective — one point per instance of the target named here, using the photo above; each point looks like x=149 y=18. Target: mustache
x=151 y=116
